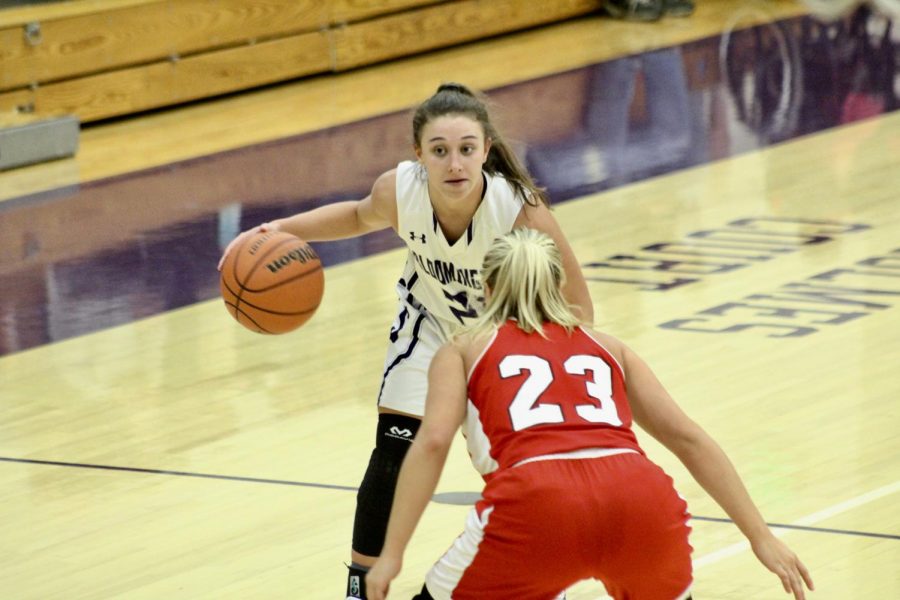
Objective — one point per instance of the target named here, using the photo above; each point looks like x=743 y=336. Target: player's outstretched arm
x=445 y=407
x=338 y=220
x=658 y=414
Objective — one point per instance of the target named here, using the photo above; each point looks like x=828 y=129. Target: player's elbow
x=433 y=441
x=687 y=442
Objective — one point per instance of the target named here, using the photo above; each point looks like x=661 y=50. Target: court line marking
x=802 y=523
x=56 y=463
x=889 y=536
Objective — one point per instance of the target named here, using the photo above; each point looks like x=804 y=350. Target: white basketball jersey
x=445 y=279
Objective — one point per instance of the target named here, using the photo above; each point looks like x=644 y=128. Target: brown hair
x=457 y=99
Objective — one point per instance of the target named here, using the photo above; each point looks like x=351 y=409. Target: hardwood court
x=177 y=455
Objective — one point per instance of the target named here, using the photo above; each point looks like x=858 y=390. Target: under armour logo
x=417 y=236
x=396 y=432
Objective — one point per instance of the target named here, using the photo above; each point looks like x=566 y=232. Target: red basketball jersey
x=532 y=396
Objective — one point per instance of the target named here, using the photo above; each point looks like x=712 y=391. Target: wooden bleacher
x=97 y=59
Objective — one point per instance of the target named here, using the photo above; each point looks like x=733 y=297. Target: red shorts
x=545 y=525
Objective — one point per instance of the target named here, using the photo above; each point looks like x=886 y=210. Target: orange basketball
x=272 y=282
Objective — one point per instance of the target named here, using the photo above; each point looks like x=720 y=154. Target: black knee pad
x=376 y=492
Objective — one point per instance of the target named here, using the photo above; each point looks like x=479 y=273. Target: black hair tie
x=454 y=87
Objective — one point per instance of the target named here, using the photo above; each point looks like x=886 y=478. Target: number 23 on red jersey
x=526 y=409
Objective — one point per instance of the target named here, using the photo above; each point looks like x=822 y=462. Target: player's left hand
x=781 y=560
x=379 y=577
x=242 y=236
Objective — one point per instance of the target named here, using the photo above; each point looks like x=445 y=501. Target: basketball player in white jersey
x=466 y=188
x=547 y=407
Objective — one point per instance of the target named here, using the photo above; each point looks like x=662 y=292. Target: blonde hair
x=524 y=272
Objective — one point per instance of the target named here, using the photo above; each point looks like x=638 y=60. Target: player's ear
x=487 y=148
x=418 y=150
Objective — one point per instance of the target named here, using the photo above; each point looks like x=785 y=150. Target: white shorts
x=415 y=337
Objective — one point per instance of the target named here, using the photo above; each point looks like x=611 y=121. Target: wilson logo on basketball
x=300 y=255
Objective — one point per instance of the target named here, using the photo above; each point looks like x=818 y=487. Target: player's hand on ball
x=242 y=236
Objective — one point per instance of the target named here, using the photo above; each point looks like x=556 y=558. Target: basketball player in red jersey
x=547 y=406
x=466 y=188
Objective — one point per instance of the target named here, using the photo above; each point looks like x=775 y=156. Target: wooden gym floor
x=729 y=182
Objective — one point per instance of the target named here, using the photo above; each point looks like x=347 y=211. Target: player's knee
x=395 y=434
x=376 y=492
